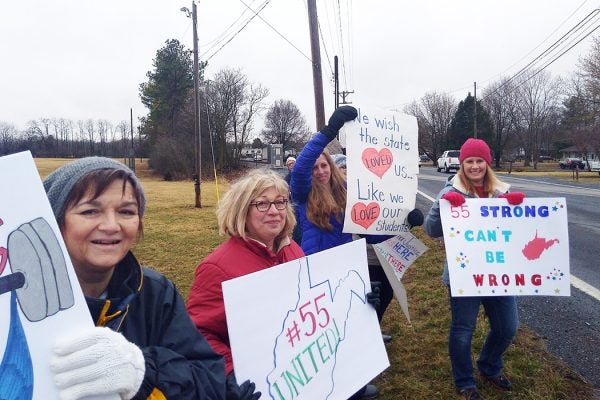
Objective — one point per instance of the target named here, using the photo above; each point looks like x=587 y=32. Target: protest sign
x=303 y=329
x=382 y=168
x=395 y=256
x=40 y=298
x=497 y=249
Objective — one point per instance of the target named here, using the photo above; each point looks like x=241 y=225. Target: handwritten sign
x=319 y=339
x=39 y=293
x=382 y=168
x=497 y=249
x=395 y=256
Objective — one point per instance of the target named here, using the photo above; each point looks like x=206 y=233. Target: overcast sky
x=81 y=59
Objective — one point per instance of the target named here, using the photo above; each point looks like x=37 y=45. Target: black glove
x=374 y=297
x=339 y=117
x=245 y=391
x=415 y=218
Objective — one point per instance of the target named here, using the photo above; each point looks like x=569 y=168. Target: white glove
x=98 y=361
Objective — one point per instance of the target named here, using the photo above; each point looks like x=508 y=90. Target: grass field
x=177 y=236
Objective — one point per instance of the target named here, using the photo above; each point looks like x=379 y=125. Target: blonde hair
x=232 y=210
x=490 y=181
x=327 y=199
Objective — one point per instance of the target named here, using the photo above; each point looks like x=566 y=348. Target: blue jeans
x=502 y=316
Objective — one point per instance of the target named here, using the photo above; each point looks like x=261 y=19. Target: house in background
x=573 y=151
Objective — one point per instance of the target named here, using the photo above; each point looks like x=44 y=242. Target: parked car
x=571 y=163
x=423 y=159
x=448 y=160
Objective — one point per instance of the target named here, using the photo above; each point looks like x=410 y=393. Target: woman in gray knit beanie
x=143 y=343
x=58 y=185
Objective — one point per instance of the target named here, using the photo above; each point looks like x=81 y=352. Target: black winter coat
x=147 y=309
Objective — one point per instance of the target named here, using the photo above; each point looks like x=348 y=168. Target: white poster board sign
x=497 y=249
x=382 y=167
x=303 y=329
x=40 y=298
x=395 y=256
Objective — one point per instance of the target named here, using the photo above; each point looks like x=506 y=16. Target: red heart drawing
x=365 y=215
x=378 y=162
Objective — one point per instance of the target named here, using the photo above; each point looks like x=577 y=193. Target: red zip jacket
x=234 y=258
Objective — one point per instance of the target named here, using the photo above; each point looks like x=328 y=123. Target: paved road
x=570 y=325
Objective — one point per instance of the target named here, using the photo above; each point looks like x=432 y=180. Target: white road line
x=585 y=287
x=431 y=199
x=575 y=282
x=565 y=185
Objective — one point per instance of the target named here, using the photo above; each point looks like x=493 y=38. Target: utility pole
x=132 y=151
x=197 y=142
x=336 y=83
x=316 y=63
x=475 y=117
x=344 y=94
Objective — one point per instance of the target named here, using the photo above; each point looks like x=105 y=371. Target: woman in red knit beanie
x=475 y=178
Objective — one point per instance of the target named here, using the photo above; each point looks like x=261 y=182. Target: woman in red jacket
x=258 y=218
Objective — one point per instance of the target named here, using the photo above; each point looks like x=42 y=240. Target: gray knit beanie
x=58 y=184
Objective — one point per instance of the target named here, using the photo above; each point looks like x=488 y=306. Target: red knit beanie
x=475 y=148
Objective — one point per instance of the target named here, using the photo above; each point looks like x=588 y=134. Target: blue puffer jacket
x=314 y=239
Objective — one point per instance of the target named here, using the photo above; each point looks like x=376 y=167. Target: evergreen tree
x=462 y=124
x=169 y=125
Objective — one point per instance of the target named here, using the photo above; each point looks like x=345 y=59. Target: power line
x=215 y=42
x=241 y=29
x=256 y=14
x=553 y=48
x=543 y=41
x=341 y=36
x=461 y=89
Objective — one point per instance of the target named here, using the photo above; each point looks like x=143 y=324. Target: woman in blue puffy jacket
x=319 y=189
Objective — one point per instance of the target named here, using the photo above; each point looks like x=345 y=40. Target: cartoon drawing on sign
x=40 y=284
x=536 y=246
x=313 y=332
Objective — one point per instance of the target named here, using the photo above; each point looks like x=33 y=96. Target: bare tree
x=589 y=73
x=232 y=104
x=8 y=136
x=242 y=127
x=285 y=124
x=38 y=131
x=581 y=114
x=500 y=99
x=539 y=98
x=87 y=131
x=62 y=130
x=123 y=133
x=434 y=112
x=103 y=130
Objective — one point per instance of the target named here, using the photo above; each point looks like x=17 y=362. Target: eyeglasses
x=264 y=206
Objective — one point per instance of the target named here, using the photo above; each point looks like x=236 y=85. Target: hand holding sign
x=514 y=198
x=456 y=199
x=339 y=117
